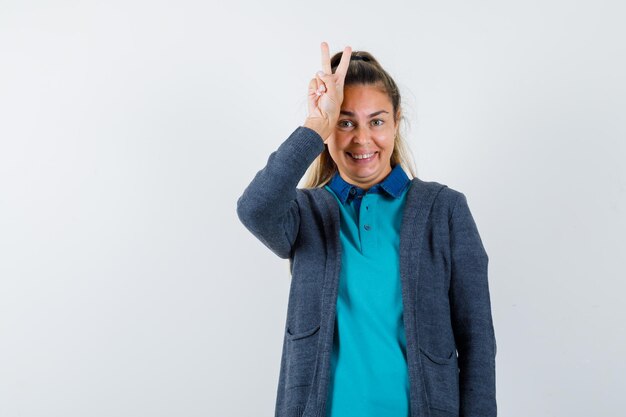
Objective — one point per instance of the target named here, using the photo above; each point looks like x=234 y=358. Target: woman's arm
x=268 y=206
x=471 y=315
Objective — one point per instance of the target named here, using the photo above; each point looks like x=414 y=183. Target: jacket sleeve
x=268 y=206
x=471 y=315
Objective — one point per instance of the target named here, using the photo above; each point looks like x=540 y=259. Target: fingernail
x=320 y=73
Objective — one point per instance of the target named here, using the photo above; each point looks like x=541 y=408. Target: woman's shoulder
x=444 y=191
x=445 y=197
x=309 y=195
x=439 y=193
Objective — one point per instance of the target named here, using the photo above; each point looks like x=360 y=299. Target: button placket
x=368 y=234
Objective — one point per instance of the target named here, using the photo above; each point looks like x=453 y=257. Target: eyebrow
x=349 y=113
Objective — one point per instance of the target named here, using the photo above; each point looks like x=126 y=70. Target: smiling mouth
x=362 y=156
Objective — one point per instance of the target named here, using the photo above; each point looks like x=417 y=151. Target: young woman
x=389 y=310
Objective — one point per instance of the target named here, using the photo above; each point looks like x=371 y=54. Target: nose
x=361 y=135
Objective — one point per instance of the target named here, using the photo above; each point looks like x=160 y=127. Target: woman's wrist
x=319 y=126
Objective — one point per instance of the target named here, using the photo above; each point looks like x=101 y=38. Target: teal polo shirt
x=369 y=371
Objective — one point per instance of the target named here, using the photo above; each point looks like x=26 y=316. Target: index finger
x=326 y=59
x=342 y=68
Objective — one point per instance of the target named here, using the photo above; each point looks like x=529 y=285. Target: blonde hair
x=364 y=69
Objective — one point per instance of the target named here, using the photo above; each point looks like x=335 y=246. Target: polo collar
x=394 y=185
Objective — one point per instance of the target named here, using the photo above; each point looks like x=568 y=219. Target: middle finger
x=342 y=68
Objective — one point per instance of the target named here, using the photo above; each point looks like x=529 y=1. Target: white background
x=128 y=130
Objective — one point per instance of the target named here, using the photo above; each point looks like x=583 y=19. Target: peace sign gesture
x=326 y=94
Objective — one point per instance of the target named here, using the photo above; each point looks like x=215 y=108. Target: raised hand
x=325 y=94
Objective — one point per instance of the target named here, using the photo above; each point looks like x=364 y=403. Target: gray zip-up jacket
x=451 y=345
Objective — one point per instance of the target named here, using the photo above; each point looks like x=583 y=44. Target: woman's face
x=365 y=129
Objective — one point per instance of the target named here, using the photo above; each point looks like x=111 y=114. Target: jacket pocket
x=441 y=375
x=301 y=335
x=301 y=357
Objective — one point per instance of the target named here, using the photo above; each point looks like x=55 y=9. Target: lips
x=361 y=156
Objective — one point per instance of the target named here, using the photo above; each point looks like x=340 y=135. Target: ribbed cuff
x=307 y=141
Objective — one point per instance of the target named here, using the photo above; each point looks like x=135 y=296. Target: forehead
x=365 y=98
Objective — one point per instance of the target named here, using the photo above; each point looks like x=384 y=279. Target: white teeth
x=363 y=156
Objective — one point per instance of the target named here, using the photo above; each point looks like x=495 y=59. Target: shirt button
x=352 y=191
x=366 y=227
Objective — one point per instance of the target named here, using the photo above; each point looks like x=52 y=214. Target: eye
x=378 y=122
x=345 y=123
